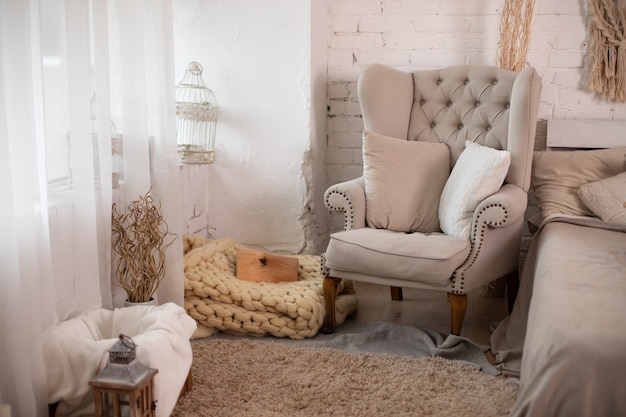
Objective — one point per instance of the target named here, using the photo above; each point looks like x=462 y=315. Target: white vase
x=151 y=302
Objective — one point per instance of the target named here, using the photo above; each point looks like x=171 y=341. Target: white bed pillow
x=606 y=198
x=478 y=173
x=403 y=182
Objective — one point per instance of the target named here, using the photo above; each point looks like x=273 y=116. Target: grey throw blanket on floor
x=395 y=339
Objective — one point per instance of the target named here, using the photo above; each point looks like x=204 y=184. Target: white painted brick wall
x=418 y=34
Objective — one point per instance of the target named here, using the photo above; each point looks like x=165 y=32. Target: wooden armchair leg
x=330 y=295
x=396 y=293
x=512 y=286
x=458 y=305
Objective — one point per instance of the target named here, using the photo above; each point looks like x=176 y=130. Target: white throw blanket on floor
x=76 y=349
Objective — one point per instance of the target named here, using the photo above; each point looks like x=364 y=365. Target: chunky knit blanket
x=218 y=301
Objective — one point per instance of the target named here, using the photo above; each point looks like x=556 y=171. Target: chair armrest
x=495 y=236
x=501 y=209
x=348 y=197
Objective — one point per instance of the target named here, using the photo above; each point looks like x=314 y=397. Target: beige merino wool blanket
x=219 y=301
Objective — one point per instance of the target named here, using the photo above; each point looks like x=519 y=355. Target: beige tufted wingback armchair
x=486 y=105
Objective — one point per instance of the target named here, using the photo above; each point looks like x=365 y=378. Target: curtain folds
x=142 y=90
x=25 y=263
x=72 y=74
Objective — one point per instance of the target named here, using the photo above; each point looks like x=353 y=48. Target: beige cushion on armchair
x=403 y=182
x=456 y=106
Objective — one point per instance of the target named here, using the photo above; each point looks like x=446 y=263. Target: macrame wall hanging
x=514 y=34
x=608 y=48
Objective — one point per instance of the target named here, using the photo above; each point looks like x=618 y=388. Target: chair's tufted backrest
x=487 y=105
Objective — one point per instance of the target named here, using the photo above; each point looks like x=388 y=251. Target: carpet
x=261 y=378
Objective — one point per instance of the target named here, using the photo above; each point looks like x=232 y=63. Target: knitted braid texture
x=218 y=300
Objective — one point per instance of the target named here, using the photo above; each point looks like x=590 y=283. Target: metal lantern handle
x=127 y=341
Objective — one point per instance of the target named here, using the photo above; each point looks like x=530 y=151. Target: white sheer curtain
x=26 y=278
x=142 y=90
x=69 y=70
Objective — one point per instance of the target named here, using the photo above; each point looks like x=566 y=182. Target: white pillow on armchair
x=478 y=173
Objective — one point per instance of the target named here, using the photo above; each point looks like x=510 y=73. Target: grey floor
x=428 y=309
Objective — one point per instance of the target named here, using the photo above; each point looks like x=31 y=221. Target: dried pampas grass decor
x=608 y=48
x=514 y=34
x=139 y=240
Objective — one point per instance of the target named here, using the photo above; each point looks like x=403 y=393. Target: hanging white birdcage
x=196 y=118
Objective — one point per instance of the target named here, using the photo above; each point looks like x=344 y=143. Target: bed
x=565 y=338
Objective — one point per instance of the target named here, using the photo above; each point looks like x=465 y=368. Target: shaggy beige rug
x=244 y=377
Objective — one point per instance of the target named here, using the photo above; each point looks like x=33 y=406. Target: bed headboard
x=585 y=134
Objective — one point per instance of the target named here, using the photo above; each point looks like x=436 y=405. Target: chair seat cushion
x=428 y=258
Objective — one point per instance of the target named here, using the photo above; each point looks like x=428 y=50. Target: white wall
x=258 y=61
x=266 y=184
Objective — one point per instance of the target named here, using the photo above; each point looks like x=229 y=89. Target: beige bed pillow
x=557 y=176
x=403 y=182
x=606 y=198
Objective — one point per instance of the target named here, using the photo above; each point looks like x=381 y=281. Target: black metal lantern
x=124 y=382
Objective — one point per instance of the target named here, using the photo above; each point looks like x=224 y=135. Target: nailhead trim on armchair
x=477 y=242
x=346 y=208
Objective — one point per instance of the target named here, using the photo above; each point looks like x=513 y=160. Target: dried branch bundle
x=139 y=239
x=515 y=25
x=608 y=48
